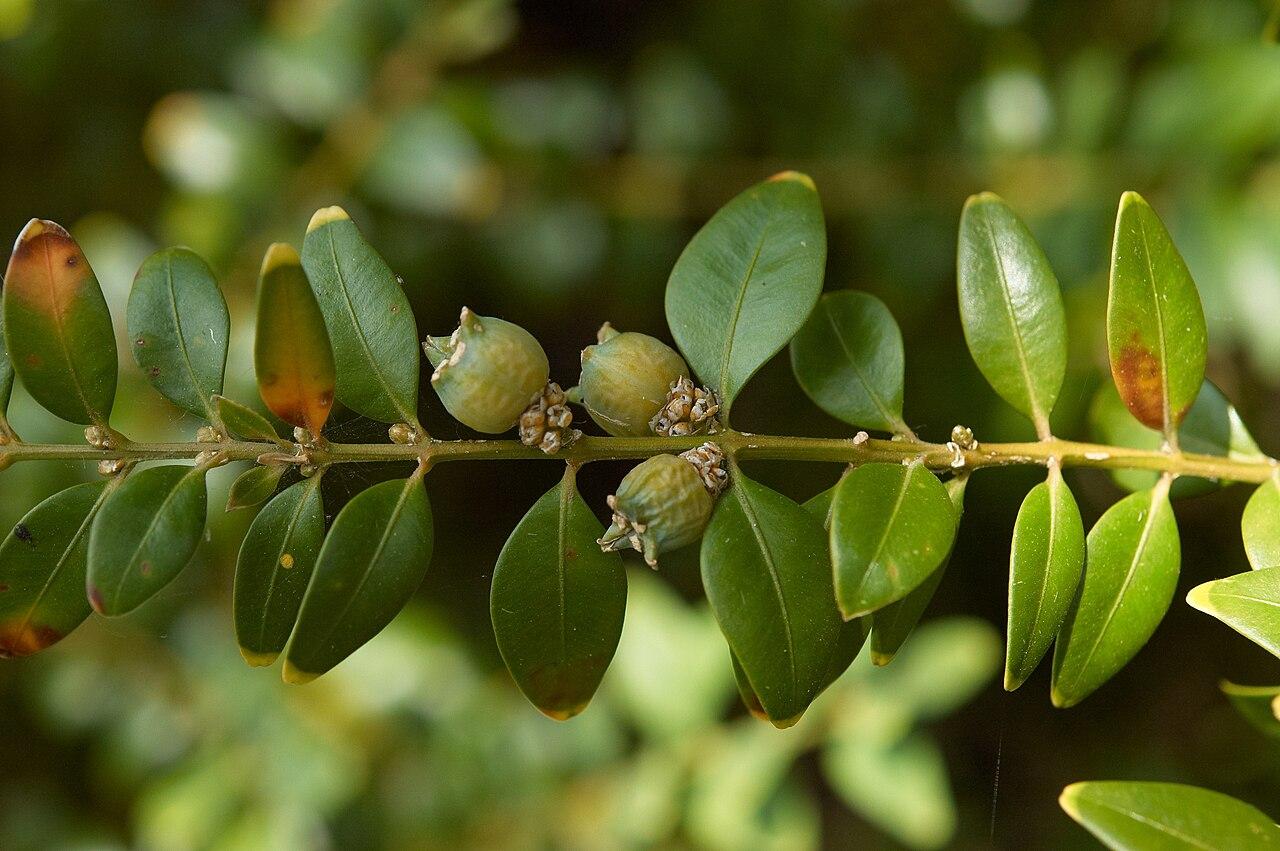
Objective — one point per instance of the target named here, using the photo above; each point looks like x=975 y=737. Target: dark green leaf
x=558 y=602
x=179 y=327
x=1011 y=308
x=144 y=535
x=1168 y=816
x=370 y=325
x=747 y=281
x=893 y=625
x=42 y=569
x=245 y=423
x=373 y=560
x=1212 y=427
x=891 y=527
x=768 y=579
x=273 y=569
x=1045 y=564
x=58 y=327
x=1131 y=570
x=854 y=633
x=750 y=699
x=1259 y=705
x=254 y=486
x=848 y=359
x=1249 y=603
x=1155 y=324
x=1260 y=525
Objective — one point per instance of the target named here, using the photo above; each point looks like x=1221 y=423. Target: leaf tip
x=1013 y=681
x=1199 y=598
x=880 y=658
x=256 y=659
x=794 y=177
x=784 y=723
x=1067 y=800
x=281 y=254
x=984 y=197
x=325 y=215
x=562 y=714
x=1132 y=199
x=294 y=675
x=1062 y=700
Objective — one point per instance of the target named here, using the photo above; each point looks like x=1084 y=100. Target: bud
x=665 y=503
x=545 y=423
x=486 y=371
x=625 y=378
x=688 y=410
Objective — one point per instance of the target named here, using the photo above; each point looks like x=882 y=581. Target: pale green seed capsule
x=660 y=505
x=625 y=380
x=487 y=372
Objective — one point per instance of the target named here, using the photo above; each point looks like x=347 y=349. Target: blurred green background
x=546 y=162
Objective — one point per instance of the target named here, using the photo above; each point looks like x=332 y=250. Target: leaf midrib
x=284 y=544
x=1037 y=413
x=151 y=527
x=1170 y=433
x=884 y=536
x=732 y=331
x=182 y=341
x=770 y=565
x=1141 y=819
x=890 y=419
x=61 y=336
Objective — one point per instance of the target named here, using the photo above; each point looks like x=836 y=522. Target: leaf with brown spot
x=291 y=354
x=57 y=325
x=42 y=570
x=1155 y=323
x=557 y=602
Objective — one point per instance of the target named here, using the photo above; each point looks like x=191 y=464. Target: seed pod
x=546 y=422
x=663 y=504
x=625 y=379
x=487 y=371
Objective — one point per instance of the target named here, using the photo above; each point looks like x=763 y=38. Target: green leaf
x=1045 y=564
x=750 y=699
x=1011 y=308
x=893 y=625
x=291 y=352
x=891 y=527
x=1155 y=324
x=557 y=602
x=6 y=372
x=58 y=327
x=370 y=325
x=768 y=579
x=144 y=535
x=274 y=568
x=848 y=359
x=1131 y=571
x=1260 y=525
x=254 y=486
x=246 y=423
x=747 y=281
x=179 y=328
x=373 y=560
x=900 y=785
x=1249 y=603
x=42 y=568
x=1145 y=816
x=1259 y=705
x=1212 y=427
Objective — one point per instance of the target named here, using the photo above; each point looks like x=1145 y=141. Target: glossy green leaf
x=848 y=358
x=1211 y=427
x=893 y=625
x=1260 y=525
x=274 y=567
x=1155 y=325
x=291 y=352
x=144 y=535
x=42 y=568
x=373 y=560
x=1259 y=705
x=891 y=527
x=1131 y=571
x=1011 y=307
x=58 y=327
x=768 y=579
x=1045 y=563
x=557 y=602
x=750 y=699
x=179 y=328
x=6 y=371
x=370 y=325
x=1167 y=816
x=245 y=423
x=747 y=281
x=1249 y=603
x=254 y=486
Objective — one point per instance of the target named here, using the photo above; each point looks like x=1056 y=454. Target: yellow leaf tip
x=881 y=659
x=280 y=254
x=795 y=177
x=293 y=675
x=1012 y=682
x=38 y=227
x=562 y=714
x=1198 y=598
x=325 y=215
x=1067 y=800
x=256 y=659
x=784 y=723
x=1130 y=198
